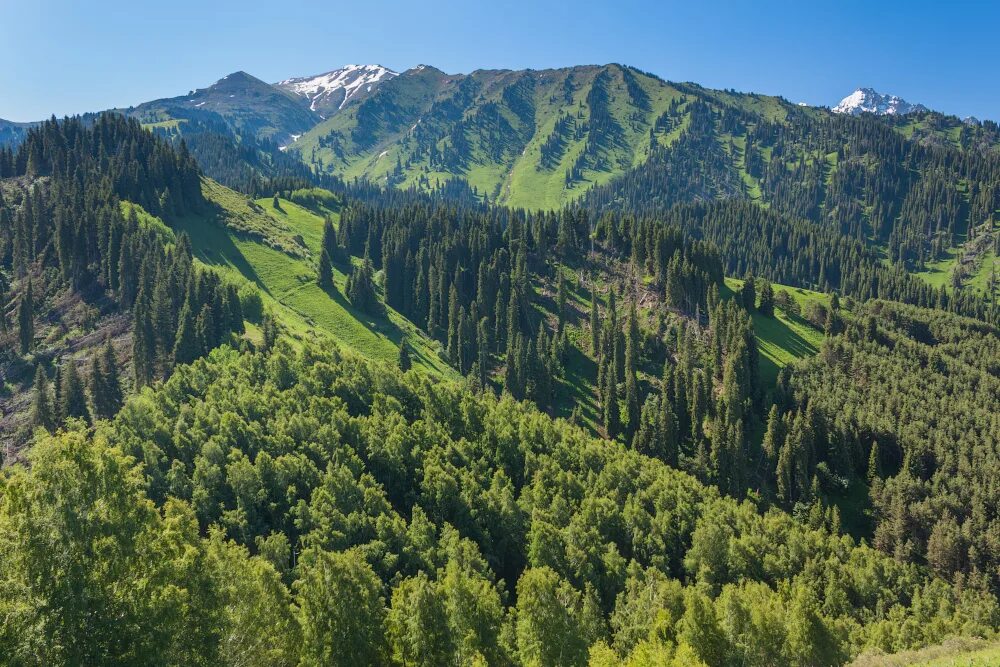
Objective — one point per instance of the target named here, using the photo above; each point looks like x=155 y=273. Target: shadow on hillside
x=213 y=245
x=580 y=373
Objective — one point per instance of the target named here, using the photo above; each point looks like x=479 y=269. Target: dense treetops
x=316 y=508
x=912 y=397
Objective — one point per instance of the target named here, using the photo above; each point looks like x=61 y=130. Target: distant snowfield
x=342 y=83
x=868 y=100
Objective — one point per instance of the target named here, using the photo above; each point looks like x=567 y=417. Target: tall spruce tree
x=324 y=276
x=26 y=319
x=72 y=398
x=42 y=411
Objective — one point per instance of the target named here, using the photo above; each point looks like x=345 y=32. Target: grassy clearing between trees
x=784 y=338
x=288 y=286
x=952 y=653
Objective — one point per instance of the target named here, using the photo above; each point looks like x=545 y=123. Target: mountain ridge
x=322 y=90
x=869 y=100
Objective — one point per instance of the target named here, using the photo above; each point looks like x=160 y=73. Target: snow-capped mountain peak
x=869 y=100
x=335 y=89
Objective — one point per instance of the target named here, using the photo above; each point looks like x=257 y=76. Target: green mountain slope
x=297 y=498
x=534 y=139
x=276 y=250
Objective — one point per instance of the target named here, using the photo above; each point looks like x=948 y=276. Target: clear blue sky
x=72 y=56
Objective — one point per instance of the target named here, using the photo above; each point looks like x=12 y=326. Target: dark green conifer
x=72 y=399
x=42 y=412
x=26 y=319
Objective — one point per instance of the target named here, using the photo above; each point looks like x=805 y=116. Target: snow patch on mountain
x=869 y=100
x=337 y=86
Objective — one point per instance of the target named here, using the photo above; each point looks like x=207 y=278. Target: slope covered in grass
x=276 y=250
x=786 y=337
x=958 y=652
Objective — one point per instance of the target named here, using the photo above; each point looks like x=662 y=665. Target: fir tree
x=26 y=319
x=324 y=276
x=595 y=323
x=631 y=379
x=105 y=384
x=72 y=399
x=766 y=306
x=748 y=294
x=187 y=347
x=42 y=413
x=874 y=463
x=404 y=357
x=561 y=302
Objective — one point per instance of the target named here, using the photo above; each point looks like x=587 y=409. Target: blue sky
x=64 y=57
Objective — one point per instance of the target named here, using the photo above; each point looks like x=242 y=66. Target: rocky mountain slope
x=869 y=100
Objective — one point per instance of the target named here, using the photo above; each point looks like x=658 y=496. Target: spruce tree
x=72 y=399
x=206 y=330
x=631 y=379
x=483 y=350
x=105 y=383
x=187 y=347
x=748 y=294
x=112 y=379
x=42 y=412
x=766 y=307
x=143 y=345
x=561 y=302
x=874 y=463
x=611 y=414
x=26 y=319
x=595 y=323
x=404 y=357
x=324 y=276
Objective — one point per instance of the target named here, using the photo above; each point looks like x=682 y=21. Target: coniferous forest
x=714 y=409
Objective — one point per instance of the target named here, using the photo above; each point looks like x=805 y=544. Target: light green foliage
x=392 y=489
x=341 y=610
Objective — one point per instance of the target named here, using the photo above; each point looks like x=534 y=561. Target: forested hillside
x=916 y=393
x=555 y=367
x=393 y=520
x=920 y=190
x=88 y=279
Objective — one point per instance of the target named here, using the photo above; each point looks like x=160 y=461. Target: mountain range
x=769 y=330
x=527 y=138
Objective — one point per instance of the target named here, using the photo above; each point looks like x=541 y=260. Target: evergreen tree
x=631 y=378
x=187 y=347
x=766 y=306
x=874 y=463
x=483 y=350
x=105 y=384
x=72 y=399
x=561 y=298
x=207 y=333
x=42 y=412
x=26 y=319
x=143 y=348
x=404 y=357
x=360 y=287
x=595 y=322
x=610 y=406
x=748 y=294
x=325 y=275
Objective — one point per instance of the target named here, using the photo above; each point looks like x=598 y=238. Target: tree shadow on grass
x=213 y=244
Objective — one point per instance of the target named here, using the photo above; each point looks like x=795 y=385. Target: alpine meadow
x=511 y=367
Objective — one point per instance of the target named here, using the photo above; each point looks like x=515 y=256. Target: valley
x=571 y=366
